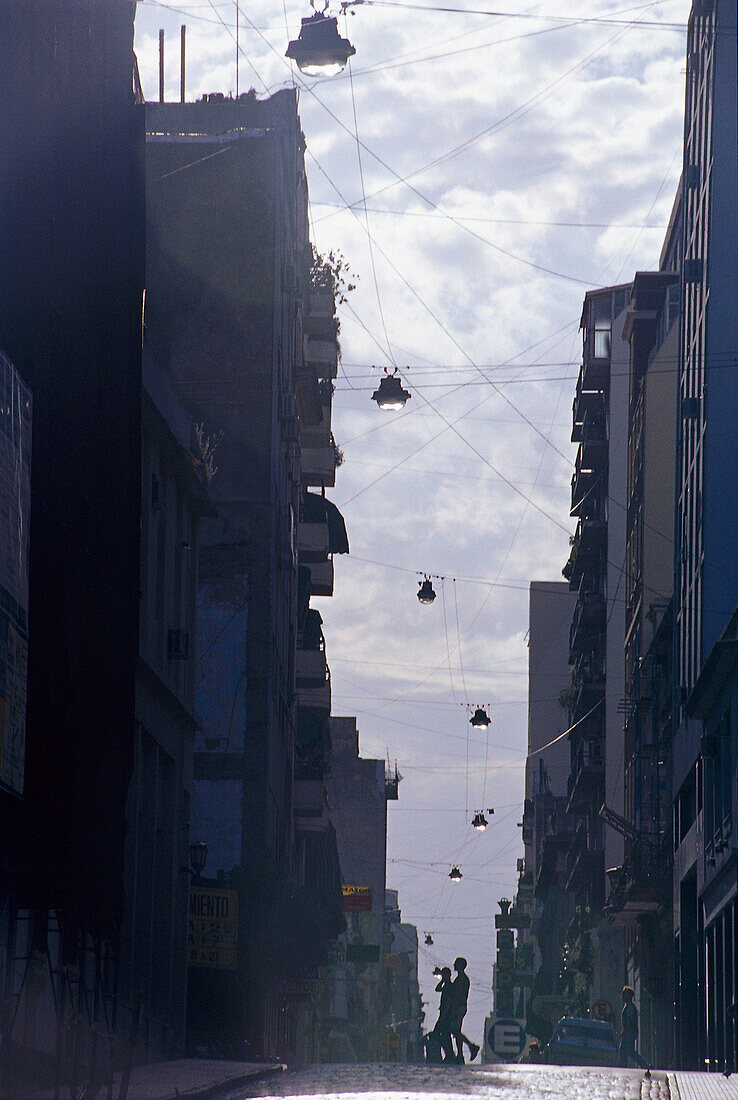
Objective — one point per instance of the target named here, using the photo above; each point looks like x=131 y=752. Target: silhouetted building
x=405 y=1009
x=71 y=287
x=241 y=314
x=157 y=875
x=358 y=791
x=542 y=908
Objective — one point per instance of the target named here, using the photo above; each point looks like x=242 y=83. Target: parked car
x=582 y=1042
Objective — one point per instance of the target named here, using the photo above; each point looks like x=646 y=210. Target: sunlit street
x=504 y=1082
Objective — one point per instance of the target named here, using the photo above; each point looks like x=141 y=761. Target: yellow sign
x=356 y=898
x=213 y=939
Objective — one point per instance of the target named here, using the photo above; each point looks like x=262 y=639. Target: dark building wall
x=227 y=226
x=71 y=285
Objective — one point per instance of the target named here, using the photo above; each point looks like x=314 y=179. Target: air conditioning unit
x=690 y=408
x=178 y=644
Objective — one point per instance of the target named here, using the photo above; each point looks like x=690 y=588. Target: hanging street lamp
x=455 y=874
x=428 y=940
x=390 y=393
x=479 y=821
x=319 y=49
x=425 y=592
x=480 y=719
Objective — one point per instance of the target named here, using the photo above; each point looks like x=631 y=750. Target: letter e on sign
x=506 y=1038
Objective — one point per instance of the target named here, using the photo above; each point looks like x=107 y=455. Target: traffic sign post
x=505 y=1038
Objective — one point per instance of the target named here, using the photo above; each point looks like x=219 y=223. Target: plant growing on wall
x=205 y=448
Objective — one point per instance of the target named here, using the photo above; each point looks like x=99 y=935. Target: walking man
x=629 y=1033
x=460 y=987
x=441 y=1033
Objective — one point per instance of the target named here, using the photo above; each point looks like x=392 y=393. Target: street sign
x=213 y=939
x=506 y=1038
x=356 y=899
x=602 y=1010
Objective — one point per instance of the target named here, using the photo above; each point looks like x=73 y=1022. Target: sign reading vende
x=356 y=899
x=213 y=939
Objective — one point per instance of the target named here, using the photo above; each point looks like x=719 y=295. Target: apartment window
x=602 y=325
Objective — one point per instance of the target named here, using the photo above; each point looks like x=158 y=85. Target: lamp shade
x=390 y=393
x=425 y=593
x=319 y=49
x=480 y=719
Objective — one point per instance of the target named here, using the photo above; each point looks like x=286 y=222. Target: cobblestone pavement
x=512 y=1082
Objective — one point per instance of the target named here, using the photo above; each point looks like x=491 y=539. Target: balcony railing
x=588 y=620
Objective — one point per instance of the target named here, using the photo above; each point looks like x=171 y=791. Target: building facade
x=153 y=966
x=593 y=949
x=705 y=585
x=358 y=791
x=71 y=287
x=241 y=313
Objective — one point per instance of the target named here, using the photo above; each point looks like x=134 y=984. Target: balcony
x=310 y=808
x=322 y=304
x=588 y=547
x=643 y=885
x=588 y=621
x=321 y=577
x=321 y=353
x=312 y=667
x=585 y=401
x=584 y=862
x=315 y=694
x=595 y=373
x=313 y=542
x=589 y=684
x=587 y=776
x=322 y=323
x=583 y=482
x=318 y=465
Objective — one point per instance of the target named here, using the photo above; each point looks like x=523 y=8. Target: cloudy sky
x=511 y=159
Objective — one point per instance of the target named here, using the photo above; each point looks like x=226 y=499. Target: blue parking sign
x=506 y=1038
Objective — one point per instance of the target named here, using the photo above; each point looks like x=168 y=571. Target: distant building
x=358 y=791
x=542 y=908
x=706 y=579
x=403 y=991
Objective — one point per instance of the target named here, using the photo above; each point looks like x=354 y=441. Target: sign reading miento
x=15 y=507
x=213 y=938
x=356 y=899
x=506 y=1038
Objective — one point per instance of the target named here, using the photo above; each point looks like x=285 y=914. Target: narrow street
x=505 y=1082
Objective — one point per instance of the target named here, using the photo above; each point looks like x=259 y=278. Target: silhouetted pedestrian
x=461 y=997
x=442 y=1031
x=629 y=1033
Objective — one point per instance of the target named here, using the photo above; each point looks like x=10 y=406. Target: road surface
x=511 y=1082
